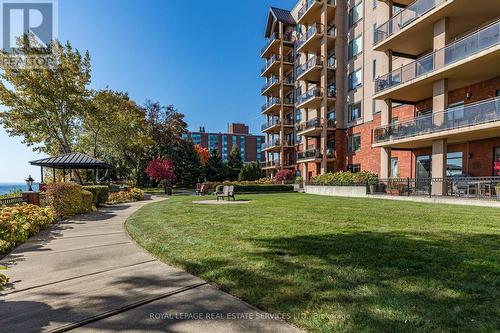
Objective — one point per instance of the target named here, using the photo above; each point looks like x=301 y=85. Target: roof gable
x=278 y=15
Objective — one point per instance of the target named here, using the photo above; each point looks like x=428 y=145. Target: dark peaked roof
x=278 y=15
x=72 y=160
x=283 y=15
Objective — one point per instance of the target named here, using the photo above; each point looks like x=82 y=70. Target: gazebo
x=72 y=161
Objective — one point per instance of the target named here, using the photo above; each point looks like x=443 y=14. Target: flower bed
x=18 y=223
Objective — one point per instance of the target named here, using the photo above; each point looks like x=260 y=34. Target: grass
x=339 y=264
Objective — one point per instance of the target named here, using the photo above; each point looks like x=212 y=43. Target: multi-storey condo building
x=237 y=135
x=401 y=88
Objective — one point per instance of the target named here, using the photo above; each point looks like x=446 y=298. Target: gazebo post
x=54 y=174
x=64 y=175
x=97 y=175
x=41 y=174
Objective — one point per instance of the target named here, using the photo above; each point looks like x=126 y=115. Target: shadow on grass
x=371 y=281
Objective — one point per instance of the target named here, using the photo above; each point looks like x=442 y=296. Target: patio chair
x=223 y=194
x=198 y=188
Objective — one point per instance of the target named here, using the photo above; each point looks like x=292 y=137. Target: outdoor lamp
x=30 y=181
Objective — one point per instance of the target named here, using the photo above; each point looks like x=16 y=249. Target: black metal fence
x=465 y=187
x=11 y=201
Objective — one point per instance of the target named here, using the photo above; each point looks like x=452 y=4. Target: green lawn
x=339 y=264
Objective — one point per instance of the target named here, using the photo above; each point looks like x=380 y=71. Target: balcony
x=273 y=145
x=271 y=87
x=271 y=66
x=273 y=44
x=310 y=12
x=271 y=106
x=471 y=59
x=311 y=40
x=270 y=164
x=274 y=125
x=410 y=31
x=459 y=124
x=309 y=100
x=311 y=70
x=310 y=155
x=310 y=128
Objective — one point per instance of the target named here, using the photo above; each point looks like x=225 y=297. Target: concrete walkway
x=86 y=275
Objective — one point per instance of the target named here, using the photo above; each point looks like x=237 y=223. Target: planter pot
x=373 y=188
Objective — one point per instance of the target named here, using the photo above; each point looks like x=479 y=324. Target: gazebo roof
x=71 y=161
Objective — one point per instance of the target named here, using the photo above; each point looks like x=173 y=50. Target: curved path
x=87 y=275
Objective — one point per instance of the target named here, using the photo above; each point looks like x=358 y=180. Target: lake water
x=12 y=187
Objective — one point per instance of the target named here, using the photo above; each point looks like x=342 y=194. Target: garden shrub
x=284 y=175
x=18 y=223
x=3 y=278
x=100 y=193
x=68 y=199
x=134 y=194
x=345 y=178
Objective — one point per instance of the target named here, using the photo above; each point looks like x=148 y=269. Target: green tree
x=215 y=168
x=187 y=164
x=234 y=163
x=44 y=106
x=251 y=171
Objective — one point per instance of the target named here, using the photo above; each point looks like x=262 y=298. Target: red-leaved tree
x=283 y=175
x=203 y=153
x=161 y=171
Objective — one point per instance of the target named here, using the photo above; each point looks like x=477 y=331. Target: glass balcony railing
x=272 y=80
x=474 y=43
x=269 y=62
x=317 y=28
x=270 y=123
x=310 y=124
x=270 y=40
x=308 y=154
x=270 y=102
x=310 y=94
x=271 y=144
x=306 y=7
x=313 y=62
x=332 y=31
x=400 y=20
x=331 y=62
x=453 y=118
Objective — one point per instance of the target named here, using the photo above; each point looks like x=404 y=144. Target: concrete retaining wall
x=338 y=191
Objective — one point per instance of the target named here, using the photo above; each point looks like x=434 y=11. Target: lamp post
x=29 y=182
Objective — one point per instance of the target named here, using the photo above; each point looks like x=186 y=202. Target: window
x=374 y=69
x=498 y=92
x=354 y=111
x=242 y=148
x=375 y=3
x=355 y=79
x=331 y=115
x=234 y=141
x=184 y=136
x=196 y=139
x=259 y=148
x=394 y=167
x=355 y=14
x=213 y=143
x=354 y=143
x=396 y=8
x=354 y=168
x=355 y=46
x=394 y=120
x=454 y=162
x=224 y=148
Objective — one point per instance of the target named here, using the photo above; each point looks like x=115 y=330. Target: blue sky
x=201 y=56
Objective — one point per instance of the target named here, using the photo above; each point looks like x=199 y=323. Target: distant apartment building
x=237 y=135
x=401 y=88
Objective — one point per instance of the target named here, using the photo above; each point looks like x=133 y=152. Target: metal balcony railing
x=311 y=123
x=308 y=154
x=270 y=40
x=453 y=118
x=400 y=20
x=332 y=31
x=331 y=62
x=306 y=7
x=310 y=94
x=312 y=62
x=332 y=91
x=317 y=28
x=469 y=45
x=271 y=144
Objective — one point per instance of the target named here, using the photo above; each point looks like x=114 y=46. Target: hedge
x=134 y=194
x=100 y=193
x=256 y=188
x=68 y=199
